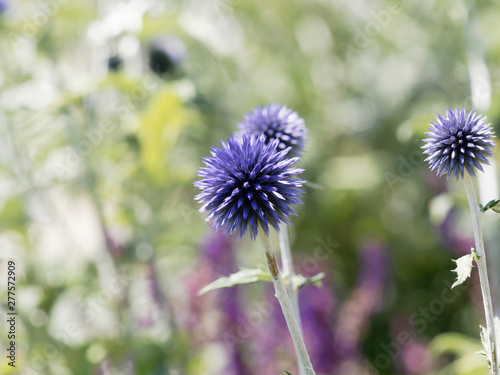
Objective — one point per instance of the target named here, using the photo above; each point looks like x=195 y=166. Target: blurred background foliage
x=106 y=109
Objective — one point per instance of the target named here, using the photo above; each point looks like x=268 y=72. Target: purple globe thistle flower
x=248 y=183
x=277 y=121
x=458 y=142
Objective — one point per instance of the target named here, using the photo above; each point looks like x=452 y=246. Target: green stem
x=286 y=306
x=483 y=271
x=289 y=273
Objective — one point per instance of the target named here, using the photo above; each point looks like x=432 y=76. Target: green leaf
x=253 y=275
x=464 y=350
x=489 y=205
x=243 y=276
x=485 y=341
x=299 y=281
x=464 y=267
x=286 y=372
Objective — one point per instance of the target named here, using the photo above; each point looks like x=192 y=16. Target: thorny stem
x=286 y=306
x=483 y=272
x=288 y=273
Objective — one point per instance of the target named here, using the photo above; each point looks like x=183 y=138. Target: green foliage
x=97 y=171
x=467 y=351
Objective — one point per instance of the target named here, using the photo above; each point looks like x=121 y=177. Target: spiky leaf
x=463 y=269
x=490 y=205
x=243 y=276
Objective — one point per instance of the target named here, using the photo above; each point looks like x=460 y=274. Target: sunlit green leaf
x=463 y=269
x=243 y=276
x=490 y=205
x=253 y=275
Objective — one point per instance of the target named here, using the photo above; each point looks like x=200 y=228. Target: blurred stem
x=288 y=274
x=286 y=307
x=483 y=271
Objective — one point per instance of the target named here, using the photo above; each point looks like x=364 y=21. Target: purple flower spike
x=458 y=142
x=277 y=121
x=248 y=183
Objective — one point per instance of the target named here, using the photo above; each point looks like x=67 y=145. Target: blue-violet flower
x=458 y=142
x=277 y=121
x=248 y=183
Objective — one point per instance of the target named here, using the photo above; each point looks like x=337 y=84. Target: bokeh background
x=108 y=106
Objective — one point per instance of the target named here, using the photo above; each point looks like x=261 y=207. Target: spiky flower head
x=277 y=121
x=460 y=142
x=248 y=183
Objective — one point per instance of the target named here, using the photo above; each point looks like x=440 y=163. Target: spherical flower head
x=248 y=183
x=458 y=143
x=166 y=52
x=279 y=122
x=115 y=62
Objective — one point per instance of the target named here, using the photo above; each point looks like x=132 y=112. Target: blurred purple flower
x=276 y=351
x=273 y=344
x=317 y=310
x=363 y=301
x=4 y=5
x=453 y=239
x=218 y=251
x=222 y=306
x=114 y=245
x=416 y=359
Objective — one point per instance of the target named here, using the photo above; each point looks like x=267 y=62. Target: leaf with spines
x=253 y=275
x=490 y=205
x=243 y=276
x=464 y=267
x=299 y=281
